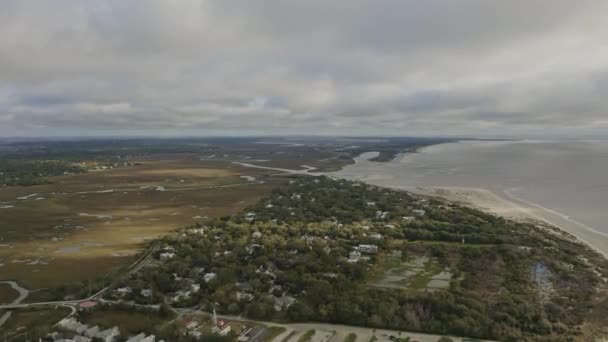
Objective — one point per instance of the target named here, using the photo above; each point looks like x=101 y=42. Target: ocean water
x=566 y=183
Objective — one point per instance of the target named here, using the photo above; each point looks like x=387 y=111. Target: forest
x=33 y=172
x=303 y=254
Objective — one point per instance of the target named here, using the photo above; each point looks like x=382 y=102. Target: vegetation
x=306 y=336
x=290 y=257
x=33 y=172
x=351 y=337
x=272 y=332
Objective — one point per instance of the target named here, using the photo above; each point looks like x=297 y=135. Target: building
x=109 y=335
x=87 y=305
x=166 y=256
x=191 y=324
x=209 y=277
x=354 y=256
x=220 y=327
x=419 y=212
x=283 y=302
x=369 y=249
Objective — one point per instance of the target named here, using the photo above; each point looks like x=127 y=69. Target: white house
x=166 y=256
x=419 y=212
x=209 y=276
x=370 y=249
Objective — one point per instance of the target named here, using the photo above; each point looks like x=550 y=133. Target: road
x=23 y=293
x=337 y=332
x=16 y=304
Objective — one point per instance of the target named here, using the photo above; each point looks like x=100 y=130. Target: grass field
x=33 y=320
x=7 y=294
x=271 y=333
x=84 y=226
x=129 y=322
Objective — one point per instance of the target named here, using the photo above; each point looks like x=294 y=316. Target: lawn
x=306 y=336
x=128 y=321
x=271 y=333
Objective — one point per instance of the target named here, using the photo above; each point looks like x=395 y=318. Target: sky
x=471 y=68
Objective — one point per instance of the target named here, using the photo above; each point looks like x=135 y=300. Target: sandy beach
x=527 y=187
x=514 y=208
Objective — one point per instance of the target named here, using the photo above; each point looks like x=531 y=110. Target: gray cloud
x=394 y=67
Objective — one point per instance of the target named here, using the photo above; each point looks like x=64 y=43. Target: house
x=209 y=277
x=92 y=332
x=381 y=215
x=181 y=295
x=419 y=212
x=72 y=324
x=166 y=256
x=191 y=324
x=168 y=248
x=220 y=327
x=370 y=204
x=283 y=302
x=124 y=290
x=408 y=218
x=109 y=335
x=196 y=334
x=197 y=231
x=354 y=256
x=369 y=249
x=244 y=296
x=195 y=287
x=375 y=236
x=250 y=216
x=256 y=235
x=137 y=338
x=145 y=293
x=79 y=338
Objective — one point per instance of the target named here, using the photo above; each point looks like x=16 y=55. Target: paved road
x=23 y=293
x=336 y=332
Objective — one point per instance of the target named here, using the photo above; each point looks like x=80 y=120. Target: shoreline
x=504 y=205
x=515 y=208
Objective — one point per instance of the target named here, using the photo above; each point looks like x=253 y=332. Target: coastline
x=515 y=208
x=501 y=202
x=506 y=205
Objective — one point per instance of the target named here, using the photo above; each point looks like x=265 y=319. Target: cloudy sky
x=520 y=68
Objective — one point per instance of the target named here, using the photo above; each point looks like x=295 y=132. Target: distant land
x=163 y=232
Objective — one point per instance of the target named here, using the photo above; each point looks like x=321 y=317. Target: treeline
x=34 y=172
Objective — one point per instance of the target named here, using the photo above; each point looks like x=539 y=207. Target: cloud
x=387 y=67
